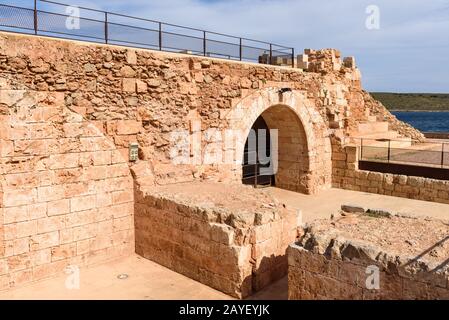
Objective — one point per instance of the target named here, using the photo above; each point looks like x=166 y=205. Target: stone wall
x=226 y=246
x=333 y=260
x=312 y=276
x=346 y=175
x=144 y=96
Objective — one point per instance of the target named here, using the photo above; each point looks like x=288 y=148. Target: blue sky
x=409 y=53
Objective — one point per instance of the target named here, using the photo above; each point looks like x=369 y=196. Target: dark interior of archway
x=252 y=162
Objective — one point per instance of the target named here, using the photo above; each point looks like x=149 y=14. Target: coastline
x=403 y=110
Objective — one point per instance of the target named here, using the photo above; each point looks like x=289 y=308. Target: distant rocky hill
x=413 y=101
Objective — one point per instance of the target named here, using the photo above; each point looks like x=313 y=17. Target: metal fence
x=251 y=171
x=431 y=154
x=56 y=20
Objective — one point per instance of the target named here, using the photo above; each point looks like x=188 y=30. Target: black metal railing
x=432 y=154
x=251 y=171
x=48 y=18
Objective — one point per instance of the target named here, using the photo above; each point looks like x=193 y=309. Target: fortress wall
x=70 y=110
x=144 y=96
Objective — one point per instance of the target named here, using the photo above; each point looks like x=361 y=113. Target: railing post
x=160 y=36
x=240 y=50
x=389 y=150
x=442 y=155
x=271 y=54
x=35 y=17
x=255 y=177
x=106 y=28
x=204 y=43
x=293 y=57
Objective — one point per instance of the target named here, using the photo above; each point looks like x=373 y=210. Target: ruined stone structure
x=364 y=257
x=192 y=229
x=70 y=110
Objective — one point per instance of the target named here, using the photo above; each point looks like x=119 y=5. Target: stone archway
x=290 y=162
x=304 y=156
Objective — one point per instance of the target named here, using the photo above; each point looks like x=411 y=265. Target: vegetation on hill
x=413 y=101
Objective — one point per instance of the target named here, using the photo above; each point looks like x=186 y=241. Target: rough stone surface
x=334 y=258
x=230 y=237
x=67 y=196
x=353 y=208
x=143 y=96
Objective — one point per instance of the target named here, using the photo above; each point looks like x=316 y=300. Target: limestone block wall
x=346 y=175
x=67 y=193
x=234 y=252
x=144 y=96
x=368 y=255
x=313 y=276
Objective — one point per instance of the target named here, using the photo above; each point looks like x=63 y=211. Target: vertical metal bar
x=255 y=177
x=204 y=43
x=106 y=31
x=160 y=36
x=293 y=57
x=442 y=155
x=271 y=54
x=389 y=150
x=241 y=50
x=35 y=17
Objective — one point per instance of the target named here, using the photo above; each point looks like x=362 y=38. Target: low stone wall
x=215 y=237
x=341 y=264
x=346 y=175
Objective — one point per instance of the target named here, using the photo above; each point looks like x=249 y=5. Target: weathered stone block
x=129 y=85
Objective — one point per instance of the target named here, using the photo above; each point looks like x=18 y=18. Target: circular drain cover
x=122 y=276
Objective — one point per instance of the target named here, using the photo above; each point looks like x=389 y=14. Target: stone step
x=372 y=119
x=381 y=140
x=372 y=127
x=376 y=135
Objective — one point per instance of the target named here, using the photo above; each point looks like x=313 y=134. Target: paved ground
x=148 y=280
x=428 y=154
x=329 y=201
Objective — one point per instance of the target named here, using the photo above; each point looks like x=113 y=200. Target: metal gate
x=253 y=154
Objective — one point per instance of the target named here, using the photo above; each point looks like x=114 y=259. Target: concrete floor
x=322 y=205
x=148 y=280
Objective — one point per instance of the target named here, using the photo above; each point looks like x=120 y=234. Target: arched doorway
x=257 y=156
x=286 y=148
x=304 y=147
